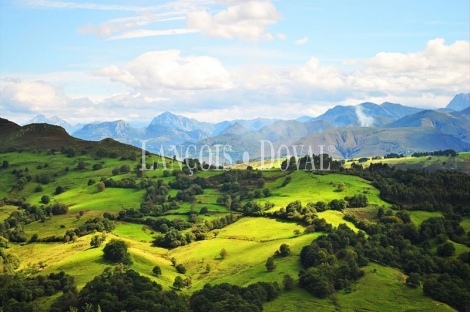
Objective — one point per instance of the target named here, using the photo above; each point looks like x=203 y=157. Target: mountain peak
x=460 y=102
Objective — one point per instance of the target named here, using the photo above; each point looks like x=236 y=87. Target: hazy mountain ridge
x=385 y=128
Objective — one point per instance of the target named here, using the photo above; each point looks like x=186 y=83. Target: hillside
x=258 y=237
x=40 y=137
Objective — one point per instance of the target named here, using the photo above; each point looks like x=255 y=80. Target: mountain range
x=366 y=129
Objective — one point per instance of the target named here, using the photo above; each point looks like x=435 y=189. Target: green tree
x=101 y=186
x=223 y=253
x=445 y=250
x=208 y=268
x=81 y=165
x=413 y=280
x=125 y=169
x=5 y=164
x=97 y=240
x=157 y=270
x=45 y=199
x=116 y=251
x=288 y=282
x=115 y=171
x=59 y=190
x=341 y=187
x=284 y=250
x=179 y=282
x=181 y=268
x=270 y=265
x=173 y=261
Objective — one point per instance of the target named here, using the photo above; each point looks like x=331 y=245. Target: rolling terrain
x=248 y=242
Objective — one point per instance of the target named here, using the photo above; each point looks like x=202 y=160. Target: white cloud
x=138 y=33
x=37 y=96
x=168 y=69
x=302 y=41
x=246 y=20
x=126 y=23
x=282 y=36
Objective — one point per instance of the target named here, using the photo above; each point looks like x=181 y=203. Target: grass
x=431 y=163
x=133 y=231
x=419 y=216
x=311 y=187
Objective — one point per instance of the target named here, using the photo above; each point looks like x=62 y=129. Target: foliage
x=116 y=251
x=226 y=298
x=97 y=240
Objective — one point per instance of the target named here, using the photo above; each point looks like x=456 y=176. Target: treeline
x=330 y=264
x=173 y=237
x=395 y=241
x=12 y=227
x=313 y=162
x=18 y=292
x=447 y=152
x=119 y=289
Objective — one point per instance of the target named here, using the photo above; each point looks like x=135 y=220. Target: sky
x=217 y=60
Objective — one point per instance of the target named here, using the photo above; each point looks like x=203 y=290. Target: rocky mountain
x=358 y=142
x=366 y=114
x=457 y=125
x=119 y=130
x=179 y=122
x=235 y=128
x=459 y=102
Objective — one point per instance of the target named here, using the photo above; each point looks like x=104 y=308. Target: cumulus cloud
x=282 y=36
x=168 y=69
x=246 y=20
x=302 y=41
x=34 y=96
x=200 y=85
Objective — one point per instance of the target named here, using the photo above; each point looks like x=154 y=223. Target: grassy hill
x=248 y=242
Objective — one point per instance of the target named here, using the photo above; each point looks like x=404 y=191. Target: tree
x=341 y=186
x=97 y=240
x=81 y=165
x=413 y=280
x=270 y=265
x=223 y=253
x=45 y=199
x=208 y=268
x=59 y=190
x=125 y=169
x=5 y=164
x=179 y=282
x=181 y=268
x=173 y=261
x=446 y=250
x=284 y=250
x=288 y=282
x=157 y=270
x=296 y=232
x=115 y=171
x=101 y=186
x=116 y=251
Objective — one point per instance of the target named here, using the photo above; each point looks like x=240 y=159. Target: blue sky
x=227 y=59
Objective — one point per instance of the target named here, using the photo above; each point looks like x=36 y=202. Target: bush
x=45 y=199
x=157 y=270
x=181 y=268
x=59 y=190
x=116 y=251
